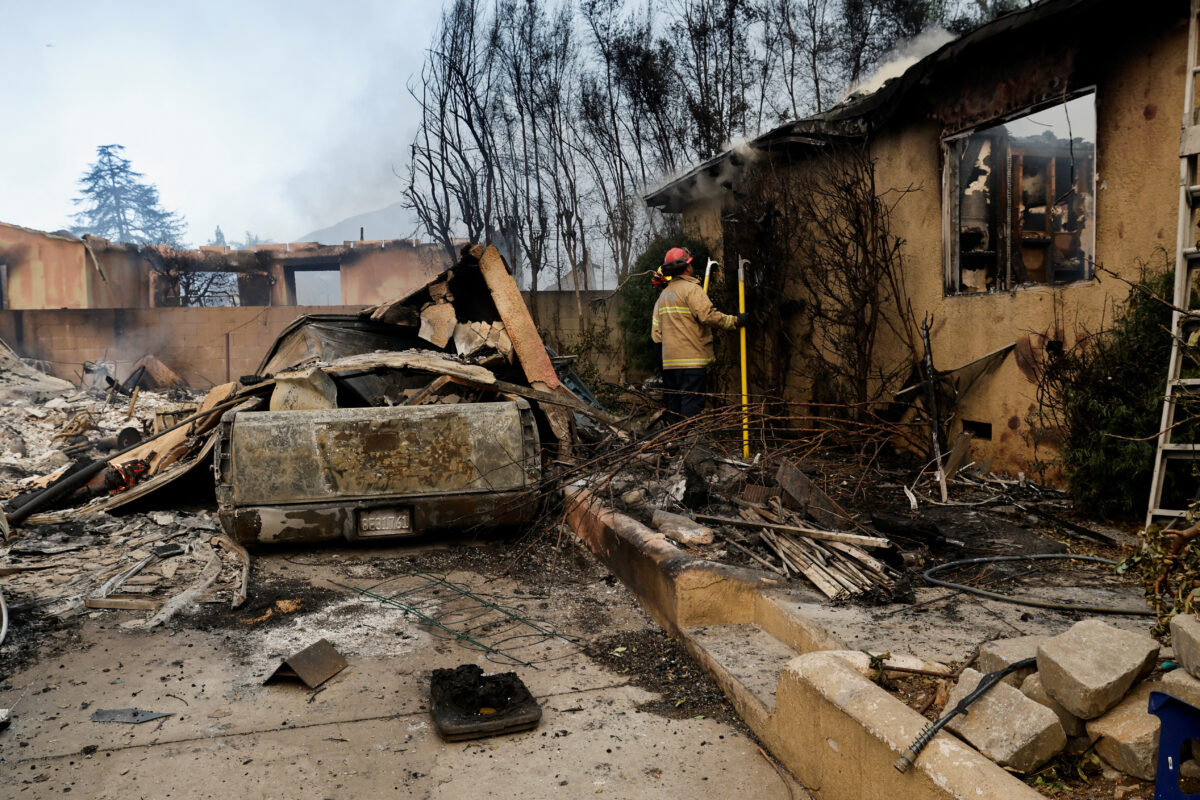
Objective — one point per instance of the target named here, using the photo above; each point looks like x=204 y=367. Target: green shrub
x=637 y=298
x=1111 y=385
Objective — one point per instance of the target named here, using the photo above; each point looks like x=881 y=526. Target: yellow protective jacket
x=681 y=320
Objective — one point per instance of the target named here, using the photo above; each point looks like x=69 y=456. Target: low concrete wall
x=834 y=729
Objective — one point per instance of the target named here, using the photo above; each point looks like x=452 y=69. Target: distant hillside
x=393 y=222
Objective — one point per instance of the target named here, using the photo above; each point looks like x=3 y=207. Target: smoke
x=708 y=186
x=358 y=167
x=900 y=58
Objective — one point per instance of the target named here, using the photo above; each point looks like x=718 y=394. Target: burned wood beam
x=811 y=533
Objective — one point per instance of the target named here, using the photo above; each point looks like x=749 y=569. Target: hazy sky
x=274 y=117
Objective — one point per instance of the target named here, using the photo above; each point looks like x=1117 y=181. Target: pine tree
x=119 y=205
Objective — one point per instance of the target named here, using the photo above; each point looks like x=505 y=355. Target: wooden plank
x=564 y=399
x=423 y=395
x=811 y=533
x=808 y=569
x=755 y=556
x=123 y=602
x=519 y=325
x=873 y=565
x=239 y=596
x=809 y=497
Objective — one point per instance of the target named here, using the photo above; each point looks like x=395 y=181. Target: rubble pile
x=1091 y=690
x=136 y=563
x=778 y=518
x=434 y=411
x=39 y=438
x=86 y=563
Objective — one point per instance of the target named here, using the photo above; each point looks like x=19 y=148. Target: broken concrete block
x=1127 y=736
x=467 y=338
x=1181 y=686
x=437 y=323
x=1006 y=726
x=1032 y=688
x=1090 y=667
x=681 y=529
x=303 y=390
x=1185 y=638
x=1001 y=653
x=633 y=497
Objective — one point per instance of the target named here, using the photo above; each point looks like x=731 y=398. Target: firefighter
x=680 y=323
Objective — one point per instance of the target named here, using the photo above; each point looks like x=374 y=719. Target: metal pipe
x=707 y=272
x=742 y=262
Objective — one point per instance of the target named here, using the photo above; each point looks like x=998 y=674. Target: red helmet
x=677 y=254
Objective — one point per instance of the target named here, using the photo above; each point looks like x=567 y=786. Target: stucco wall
x=43 y=271
x=49 y=271
x=389 y=273
x=703 y=221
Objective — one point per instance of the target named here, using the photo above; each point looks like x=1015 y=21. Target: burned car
x=429 y=413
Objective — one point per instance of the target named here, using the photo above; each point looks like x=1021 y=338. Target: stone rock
x=1006 y=726
x=1090 y=667
x=1185 y=638
x=681 y=529
x=1181 y=686
x=13 y=442
x=1190 y=769
x=1001 y=653
x=1127 y=736
x=1124 y=790
x=633 y=497
x=1032 y=688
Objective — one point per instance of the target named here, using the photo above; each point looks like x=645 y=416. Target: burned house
x=40 y=270
x=1015 y=163
x=208 y=313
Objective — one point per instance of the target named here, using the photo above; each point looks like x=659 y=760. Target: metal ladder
x=1187 y=269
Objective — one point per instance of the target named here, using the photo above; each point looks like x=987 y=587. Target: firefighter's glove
x=743 y=320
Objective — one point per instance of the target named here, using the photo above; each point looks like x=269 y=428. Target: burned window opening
x=316 y=284
x=1021 y=200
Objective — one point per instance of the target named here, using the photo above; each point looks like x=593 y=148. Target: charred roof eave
x=672 y=197
x=857 y=117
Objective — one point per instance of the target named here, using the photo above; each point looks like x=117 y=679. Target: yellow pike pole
x=708 y=272
x=742 y=336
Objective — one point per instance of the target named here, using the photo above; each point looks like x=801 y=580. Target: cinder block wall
x=205 y=346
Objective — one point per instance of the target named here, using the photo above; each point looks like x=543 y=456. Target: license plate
x=384 y=522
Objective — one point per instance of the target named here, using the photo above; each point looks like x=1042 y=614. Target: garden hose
x=986 y=682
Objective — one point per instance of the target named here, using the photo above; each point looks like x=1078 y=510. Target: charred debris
x=433 y=413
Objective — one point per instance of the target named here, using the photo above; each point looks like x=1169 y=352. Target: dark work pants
x=683 y=391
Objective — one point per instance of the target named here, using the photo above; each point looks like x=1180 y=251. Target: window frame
x=951 y=271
